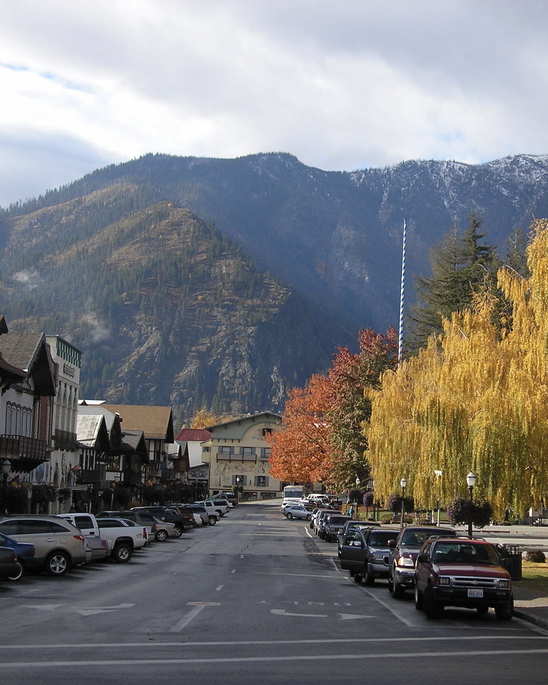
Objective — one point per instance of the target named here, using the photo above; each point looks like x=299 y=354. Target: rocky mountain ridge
x=222 y=282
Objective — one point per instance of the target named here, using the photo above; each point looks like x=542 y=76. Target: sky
x=341 y=84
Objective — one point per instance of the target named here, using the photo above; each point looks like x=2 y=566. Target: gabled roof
x=91 y=431
x=30 y=352
x=155 y=422
x=133 y=442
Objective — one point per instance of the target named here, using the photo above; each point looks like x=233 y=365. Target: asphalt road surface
x=255 y=599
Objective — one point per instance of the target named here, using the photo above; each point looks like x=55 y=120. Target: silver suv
x=58 y=544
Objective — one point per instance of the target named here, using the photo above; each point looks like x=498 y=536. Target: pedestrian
x=351 y=511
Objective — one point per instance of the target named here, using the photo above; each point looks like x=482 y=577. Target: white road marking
x=139 y=663
x=283 y=612
x=198 y=606
x=232 y=643
x=220 y=587
x=349 y=617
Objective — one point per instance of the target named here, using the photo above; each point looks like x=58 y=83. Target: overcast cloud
x=342 y=84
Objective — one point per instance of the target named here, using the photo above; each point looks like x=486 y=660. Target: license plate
x=475 y=593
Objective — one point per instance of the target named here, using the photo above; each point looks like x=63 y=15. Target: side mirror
x=357 y=543
x=391 y=543
x=422 y=558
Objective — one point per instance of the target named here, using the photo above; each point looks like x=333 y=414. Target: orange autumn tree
x=322 y=437
x=301 y=451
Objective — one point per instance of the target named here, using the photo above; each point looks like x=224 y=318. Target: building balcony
x=237 y=458
x=24 y=453
x=90 y=476
x=63 y=440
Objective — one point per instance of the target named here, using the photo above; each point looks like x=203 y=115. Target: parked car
x=26 y=557
x=209 y=517
x=58 y=544
x=462 y=573
x=9 y=566
x=352 y=523
x=182 y=519
x=218 y=510
x=97 y=546
x=333 y=524
x=321 y=514
x=230 y=496
x=124 y=537
x=143 y=518
x=217 y=506
x=403 y=553
x=297 y=511
x=222 y=500
x=365 y=553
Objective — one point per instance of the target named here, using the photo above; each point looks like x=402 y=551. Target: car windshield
x=415 y=538
x=338 y=520
x=465 y=553
x=379 y=538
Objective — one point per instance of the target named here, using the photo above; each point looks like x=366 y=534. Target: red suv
x=463 y=573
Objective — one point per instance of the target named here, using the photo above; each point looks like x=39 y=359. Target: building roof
x=30 y=352
x=155 y=422
x=91 y=431
x=248 y=418
x=193 y=435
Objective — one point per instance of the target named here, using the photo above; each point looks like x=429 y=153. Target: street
x=253 y=599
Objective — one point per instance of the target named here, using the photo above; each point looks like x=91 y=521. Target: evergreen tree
x=461 y=266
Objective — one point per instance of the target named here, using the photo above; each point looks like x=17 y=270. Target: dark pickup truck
x=183 y=520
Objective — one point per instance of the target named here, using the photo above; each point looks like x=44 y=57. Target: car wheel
x=57 y=563
x=357 y=578
x=308 y=517
x=397 y=590
x=369 y=578
x=418 y=599
x=18 y=573
x=504 y=612
x=432 y=609
x=178 y=531
x=161 y=535
x=122 y=552
x=212 y=520
x=289 y=515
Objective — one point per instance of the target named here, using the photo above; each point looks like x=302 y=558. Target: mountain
x=222 y=282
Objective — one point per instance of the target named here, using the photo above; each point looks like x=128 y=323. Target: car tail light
x=145 y=533
x=79 y=537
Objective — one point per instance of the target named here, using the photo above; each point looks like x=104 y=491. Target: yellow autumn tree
x=472 y=400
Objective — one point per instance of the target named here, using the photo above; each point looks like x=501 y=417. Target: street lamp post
x=403 y=483
x=471 y=481
x=6 y=465
x=438 y=473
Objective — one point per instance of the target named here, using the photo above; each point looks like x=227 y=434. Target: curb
x=531 y=618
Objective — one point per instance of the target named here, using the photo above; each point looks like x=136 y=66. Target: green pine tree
x=461 y=266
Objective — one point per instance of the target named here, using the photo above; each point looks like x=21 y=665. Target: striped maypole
x=402 y=292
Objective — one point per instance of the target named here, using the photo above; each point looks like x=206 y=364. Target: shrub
x=536 y=556
x=368 y=498
x=395 y=501
x=460 y=509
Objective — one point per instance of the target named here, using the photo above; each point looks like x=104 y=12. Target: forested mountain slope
x=165 y=309
x=223 y=281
